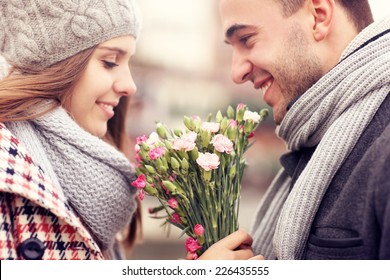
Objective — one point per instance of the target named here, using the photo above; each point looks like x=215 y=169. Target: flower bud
x=150 y=190
x=196 y=121
x=248 y=127
x=168 y=144
x=241 y=108
x=161 y=131
x=264 y=113
x=145 y=146
x=142 y=156
x=161 y=166
x=207 y=175
x=155 y=209
x=206 y=137
x=189 y=123
x=231 y=133
x=230 y=112
x=209 y=117
x=169 y=185
x=178 y=132
x=164 y=162
x=182 y=154
x=149 y=179
x=175 y=164
x=194 y=154
x=150 y=169
x=232 y=172
x=224 y=124
x=218 y=117
x=184 y=164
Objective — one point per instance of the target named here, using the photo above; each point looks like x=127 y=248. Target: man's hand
x=236 y=246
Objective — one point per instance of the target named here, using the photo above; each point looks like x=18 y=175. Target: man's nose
x=241 y=68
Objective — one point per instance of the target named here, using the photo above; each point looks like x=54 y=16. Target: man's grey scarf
x=93 y=175
x=332 y=114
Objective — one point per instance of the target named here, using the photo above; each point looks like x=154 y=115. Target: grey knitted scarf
x=332 y=114
x=93 y=175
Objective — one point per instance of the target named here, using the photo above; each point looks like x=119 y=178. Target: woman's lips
x=107 y=109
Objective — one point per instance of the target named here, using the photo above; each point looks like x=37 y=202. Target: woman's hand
x=236 y=246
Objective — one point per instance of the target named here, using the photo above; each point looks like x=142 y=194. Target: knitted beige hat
x=40 y=33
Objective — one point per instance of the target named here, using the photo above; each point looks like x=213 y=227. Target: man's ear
x=323 y=12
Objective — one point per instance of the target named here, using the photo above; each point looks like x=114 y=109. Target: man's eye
x=109 y=64
x=244 y=39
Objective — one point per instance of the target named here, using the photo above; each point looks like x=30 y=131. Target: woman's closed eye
x=109 y=64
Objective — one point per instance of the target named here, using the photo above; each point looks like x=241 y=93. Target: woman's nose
x=125 y=84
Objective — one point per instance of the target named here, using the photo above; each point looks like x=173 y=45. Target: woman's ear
x=323 y=12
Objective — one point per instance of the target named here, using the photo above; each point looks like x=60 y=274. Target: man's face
x=270 y=50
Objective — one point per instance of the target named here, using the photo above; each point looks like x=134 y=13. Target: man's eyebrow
x=114 y=49
x=233 y=29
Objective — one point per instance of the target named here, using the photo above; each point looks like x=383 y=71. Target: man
x=325 y=71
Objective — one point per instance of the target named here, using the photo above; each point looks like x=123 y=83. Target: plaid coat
x=36 y=221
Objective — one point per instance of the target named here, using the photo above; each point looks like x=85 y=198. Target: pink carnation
x=210 y=126
x=222 y=144
x=175 y=218
x=140 y=182
x=198 y=230
x=208 y=161
x=173 y=203
x=156 y=153
x=192 y=245
x=186 y=142
x=141 y=139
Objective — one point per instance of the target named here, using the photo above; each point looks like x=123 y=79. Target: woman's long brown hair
x=24 y=88
x=117 y=135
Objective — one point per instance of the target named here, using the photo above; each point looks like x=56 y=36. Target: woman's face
x=105 y=80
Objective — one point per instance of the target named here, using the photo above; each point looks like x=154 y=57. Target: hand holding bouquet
x=196 y=173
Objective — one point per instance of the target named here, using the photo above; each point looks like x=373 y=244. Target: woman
x=64 y=192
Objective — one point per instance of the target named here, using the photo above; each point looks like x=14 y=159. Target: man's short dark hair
x=358 y=11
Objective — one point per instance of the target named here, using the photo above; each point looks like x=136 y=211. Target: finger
x=243 y=254
x=235 y=239
x=189 y=256
x=258 y=257
x=244 y=246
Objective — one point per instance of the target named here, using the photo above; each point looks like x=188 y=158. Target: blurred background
x=182 y=67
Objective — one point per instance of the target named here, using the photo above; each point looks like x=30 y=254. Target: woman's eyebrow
x=115 y=49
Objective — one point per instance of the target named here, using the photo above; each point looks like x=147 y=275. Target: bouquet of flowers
x=196 y=173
